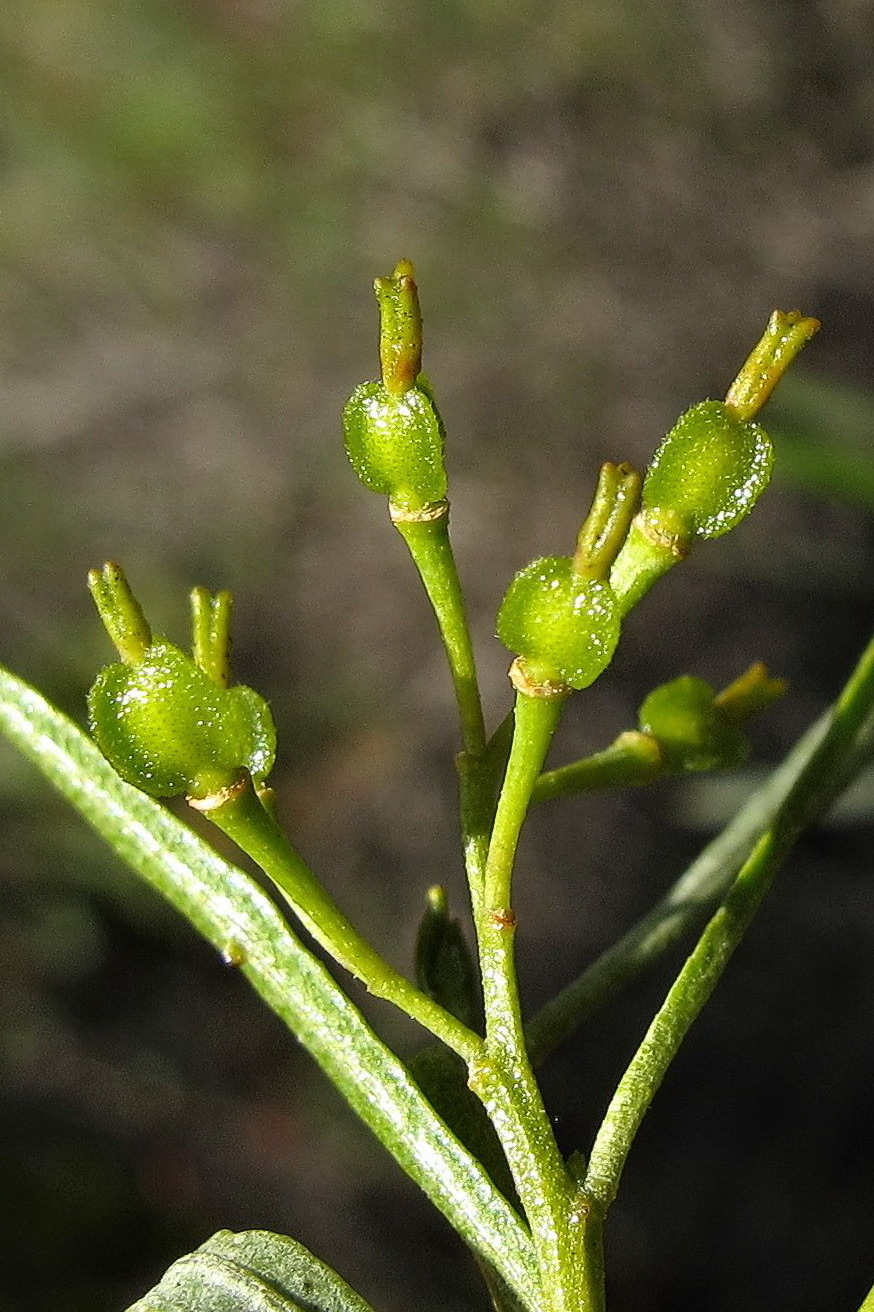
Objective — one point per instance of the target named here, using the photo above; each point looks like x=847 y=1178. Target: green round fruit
x=707 y=474
x=564 y=628
x=168 y=729
x=395 y=444
x=691 y=730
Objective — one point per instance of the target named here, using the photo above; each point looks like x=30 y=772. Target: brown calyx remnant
x=424 y=515
x=213 y=801
x=503 y=917
x=518 y=676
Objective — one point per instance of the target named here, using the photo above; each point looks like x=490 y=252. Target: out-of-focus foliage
x=826 y=440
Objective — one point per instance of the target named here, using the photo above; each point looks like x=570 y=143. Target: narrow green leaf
x=232 y=912
x=251 y=1272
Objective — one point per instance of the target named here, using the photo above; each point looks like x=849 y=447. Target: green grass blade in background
x=824 y=433
x=233 y=913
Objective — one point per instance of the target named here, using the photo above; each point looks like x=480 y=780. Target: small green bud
x=167 y=722
x=444 y=966
x=395 y=445
x=699 y=729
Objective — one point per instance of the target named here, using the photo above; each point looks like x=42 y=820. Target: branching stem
x=243 y=818
x=565 y=1224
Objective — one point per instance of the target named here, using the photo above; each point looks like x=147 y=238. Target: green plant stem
x=429 y=545
x=565 y=1228
x=244 y=819
x=233 y=913
x=634 y=758
x=696 y=893
x=684 y=907
x=479 y=778
x=722 y=934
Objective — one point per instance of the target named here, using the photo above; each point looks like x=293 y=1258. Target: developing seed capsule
x=706 y=474
x=393 y=432
x=565 y=628
x=711 y=468
x=560 y=614
x=166 y=722
x=705 y=477
x=692 y=731
x=395 y=444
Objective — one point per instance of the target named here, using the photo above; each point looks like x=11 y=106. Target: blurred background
x=604 y=200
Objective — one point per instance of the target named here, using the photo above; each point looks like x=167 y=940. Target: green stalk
x=699 y=889
x=688 y=995
x=427 y=539
x=634 y=758
x=694 y=896
x=241 y=816
x=722 y=934
x=565 y=1225
x=683 y=908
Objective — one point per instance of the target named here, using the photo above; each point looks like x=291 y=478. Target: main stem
x=565 y=1222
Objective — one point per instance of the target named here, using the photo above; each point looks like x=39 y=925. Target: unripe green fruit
x=707 y=473
x=395 y=444
x=564 y=627
x=168 y=729
x=691 y=729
